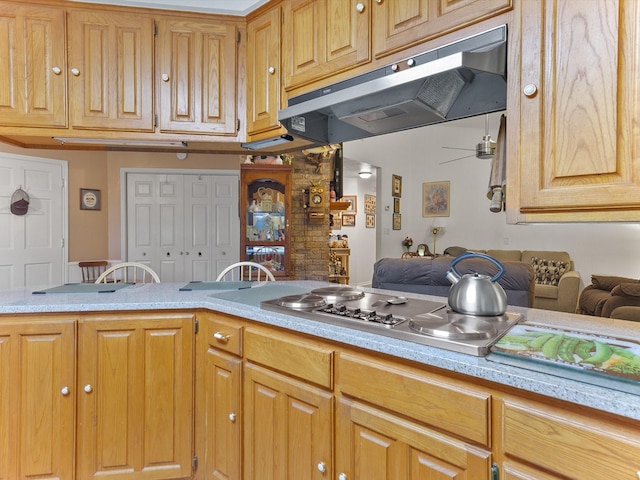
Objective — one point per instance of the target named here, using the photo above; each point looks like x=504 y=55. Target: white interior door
x=32 y=246
x=183 y=226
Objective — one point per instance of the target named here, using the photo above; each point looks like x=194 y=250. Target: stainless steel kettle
x=476 y=294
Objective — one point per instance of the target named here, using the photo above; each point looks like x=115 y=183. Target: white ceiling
x=224 y=7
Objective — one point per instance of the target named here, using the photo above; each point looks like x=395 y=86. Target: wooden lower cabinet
x=288 y=427
x=373 y=444
x=135 y=396
x=545 y=442
x=37 y=398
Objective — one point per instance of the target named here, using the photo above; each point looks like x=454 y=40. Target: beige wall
x=94 y=234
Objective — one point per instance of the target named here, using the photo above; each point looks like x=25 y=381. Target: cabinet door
x=223 y=416
x=37 y=387
x=288 y=428
x=265 y=211
x=375 y=445
x=111 y=62
x=197 y=76
x=263 y=72
x=323 y=37
x=33 y=81
x=398 y=25
x=579 y=103
x=135 y=406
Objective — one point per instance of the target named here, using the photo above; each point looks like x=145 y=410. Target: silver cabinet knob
x=343 y=476
x=530 y=90
x=272 y=70
x=88 y=388
x=232 y=417
x=56 y=70
x=395 y=67
x=65 y=391
x=165 y=77
x=377 y=1
x=222 y=337
x=322 y=468
x=360 y=7
x=411 y=62
x=75 y=72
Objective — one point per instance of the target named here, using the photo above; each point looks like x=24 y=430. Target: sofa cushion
x=609 y=282
x=548 y=271
x=628 y=289
x=592 y=300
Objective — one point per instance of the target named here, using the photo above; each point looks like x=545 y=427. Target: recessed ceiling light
x=365 y=174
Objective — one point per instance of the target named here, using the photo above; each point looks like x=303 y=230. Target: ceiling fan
x=485 y=149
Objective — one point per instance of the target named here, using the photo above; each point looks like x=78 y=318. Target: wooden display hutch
x=264 y=222
x=339 y=257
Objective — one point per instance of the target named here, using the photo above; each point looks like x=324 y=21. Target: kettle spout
x=452 y=276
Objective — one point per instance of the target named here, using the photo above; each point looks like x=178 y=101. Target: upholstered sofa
x=611 y=297
x=427 y=275
x=557 y=284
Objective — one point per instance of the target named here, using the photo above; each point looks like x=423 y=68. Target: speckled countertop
x=245 y=303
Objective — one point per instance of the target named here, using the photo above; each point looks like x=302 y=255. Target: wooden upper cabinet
x=323 y=37
x=400 y=24
x=33 y=66
x=110 y=70
x=263 y=72
x=196 y=76
x=579 y=142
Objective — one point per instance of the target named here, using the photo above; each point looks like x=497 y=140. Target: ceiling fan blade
x=458 y=148
x=456 y=159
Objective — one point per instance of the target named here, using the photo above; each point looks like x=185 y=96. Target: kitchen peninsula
x=262 y=381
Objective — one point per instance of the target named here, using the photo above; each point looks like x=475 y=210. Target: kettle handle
x=466 y=255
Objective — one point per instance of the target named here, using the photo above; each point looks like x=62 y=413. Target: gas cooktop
x=416 y=320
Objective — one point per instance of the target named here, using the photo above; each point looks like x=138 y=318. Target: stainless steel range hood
x=459 y=80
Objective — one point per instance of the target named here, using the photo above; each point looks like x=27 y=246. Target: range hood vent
x=459 y=80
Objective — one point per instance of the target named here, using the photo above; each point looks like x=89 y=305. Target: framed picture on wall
x=396 y=205
x=89 y=199
x=397 y=221
x=348 y=220
x=369 y=203
x=353 y=203
x=370 y=221
x=396 y=186
x=435 y=199
x=336 y=221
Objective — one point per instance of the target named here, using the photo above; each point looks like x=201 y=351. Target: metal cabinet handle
x=322 y=468
x=56 y=70
x=530 y=90
x=65 y=391
x=222 y=337
x=165 y=77
x=272 y=70
x=232 y=417
x=75 y=72
x=88 y=388
x=360 y=7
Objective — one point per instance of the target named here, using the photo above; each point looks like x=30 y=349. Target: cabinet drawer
x=428 y=398
x=306 y=360
x=223 y=333
x=569 y=444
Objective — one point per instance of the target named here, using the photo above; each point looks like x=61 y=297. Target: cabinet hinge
x=238 y=125
x=239 y=37
x=495 y=472
x=196 y=325
x=155 y=29
x=155 y=121
x=194 y=463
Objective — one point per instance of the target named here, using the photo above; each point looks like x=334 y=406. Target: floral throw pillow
x=548 y=272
